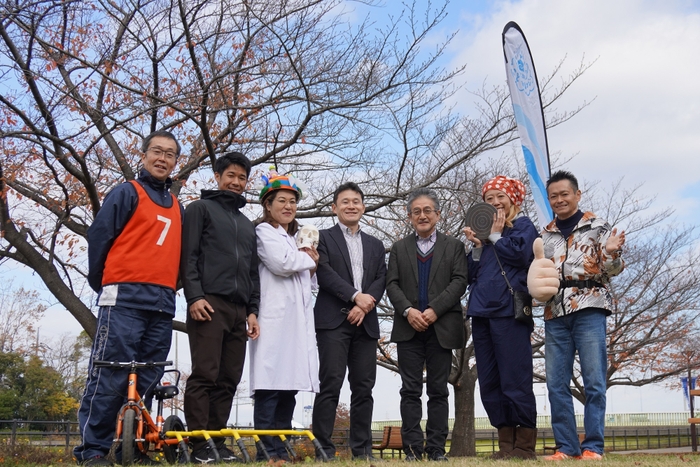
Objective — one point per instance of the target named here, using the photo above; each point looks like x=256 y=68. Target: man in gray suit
x=426 y=279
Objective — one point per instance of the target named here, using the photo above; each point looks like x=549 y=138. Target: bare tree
x=68 y=355
x=20 y=310
x=289 y=83
x=292 y=83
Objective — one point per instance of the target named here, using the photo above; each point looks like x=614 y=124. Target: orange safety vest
x=148 y=249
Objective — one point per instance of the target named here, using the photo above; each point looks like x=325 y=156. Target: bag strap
x=503 y=273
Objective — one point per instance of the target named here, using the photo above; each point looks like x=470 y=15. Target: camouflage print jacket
x=581 y=257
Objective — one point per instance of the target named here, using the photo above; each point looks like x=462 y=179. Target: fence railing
x=40 y=433
x=616 y=439
x=612 y=420
x=65 y=434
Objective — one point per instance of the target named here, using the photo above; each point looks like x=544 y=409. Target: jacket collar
x=146 y=178
x=587 y=219
x=228 y=199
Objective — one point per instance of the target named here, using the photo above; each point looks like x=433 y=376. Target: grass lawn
x=33 y=456
x=636 y=460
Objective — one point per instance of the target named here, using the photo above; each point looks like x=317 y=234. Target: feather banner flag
x=529 y=116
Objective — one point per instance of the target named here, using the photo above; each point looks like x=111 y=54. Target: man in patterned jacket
x=586 y=252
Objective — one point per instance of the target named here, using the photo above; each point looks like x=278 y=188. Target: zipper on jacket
x=563 y=277
x=235 y=276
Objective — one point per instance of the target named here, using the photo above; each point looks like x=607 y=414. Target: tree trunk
x=463 y=432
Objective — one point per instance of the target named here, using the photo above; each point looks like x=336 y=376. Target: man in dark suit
x=426 y=279
x=351 y=277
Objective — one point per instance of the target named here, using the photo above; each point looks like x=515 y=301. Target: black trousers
x=345 y=346
x=218 y=352
x=424 y=350
x=273 y=410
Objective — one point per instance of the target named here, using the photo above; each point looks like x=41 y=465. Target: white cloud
x=644 y=121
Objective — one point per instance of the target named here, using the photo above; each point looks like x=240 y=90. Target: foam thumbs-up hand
x=543 y=277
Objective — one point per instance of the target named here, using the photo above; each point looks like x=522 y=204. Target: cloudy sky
x=642 y=123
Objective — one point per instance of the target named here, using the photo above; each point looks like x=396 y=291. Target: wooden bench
x=391 y=439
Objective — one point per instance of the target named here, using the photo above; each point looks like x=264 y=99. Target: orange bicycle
x=136 y=430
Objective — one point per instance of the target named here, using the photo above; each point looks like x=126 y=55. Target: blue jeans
x=582 y=331
x=123 y=334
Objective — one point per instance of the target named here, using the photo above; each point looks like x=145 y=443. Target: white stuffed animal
x=542 y=277
x=307 y=236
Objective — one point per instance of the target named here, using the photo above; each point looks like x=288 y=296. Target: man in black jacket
x=219 y=271
x=425 y=281
x=351 y=278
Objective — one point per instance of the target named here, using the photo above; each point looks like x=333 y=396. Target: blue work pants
x=124 y=335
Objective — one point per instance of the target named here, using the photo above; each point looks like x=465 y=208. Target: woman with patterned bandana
x=501 y=343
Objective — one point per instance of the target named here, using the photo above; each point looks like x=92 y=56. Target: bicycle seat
x=165 y=391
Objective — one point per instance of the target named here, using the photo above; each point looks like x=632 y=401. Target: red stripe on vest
x=148 y=250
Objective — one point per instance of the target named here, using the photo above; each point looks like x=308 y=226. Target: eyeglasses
x=283 y=202
x=158 y=152
x=427 y=211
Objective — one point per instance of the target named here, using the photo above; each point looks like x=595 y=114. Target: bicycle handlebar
x=103 y=363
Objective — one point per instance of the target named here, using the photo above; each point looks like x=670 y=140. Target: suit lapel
x=339 y=239
x=366 y=255
x=438 y=253
x=411 y=252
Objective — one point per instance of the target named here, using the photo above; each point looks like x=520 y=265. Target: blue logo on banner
x=522 y=73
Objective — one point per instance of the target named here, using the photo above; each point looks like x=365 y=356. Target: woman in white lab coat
x=284 y=359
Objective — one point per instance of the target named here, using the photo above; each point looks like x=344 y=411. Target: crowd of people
x=249 y=284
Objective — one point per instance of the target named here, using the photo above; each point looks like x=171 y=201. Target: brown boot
x=525 y=442
x=506 y=439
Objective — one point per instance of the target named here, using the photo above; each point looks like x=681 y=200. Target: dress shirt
x=425 y=244
x=354 y=242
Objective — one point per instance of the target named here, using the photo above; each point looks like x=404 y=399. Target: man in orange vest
x=133 y=253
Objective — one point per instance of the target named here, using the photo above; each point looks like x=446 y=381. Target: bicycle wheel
x=175 y=453
x=128 y=437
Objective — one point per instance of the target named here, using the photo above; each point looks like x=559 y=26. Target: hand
x=312 y=253
x=615 y=241
x=201 y=310
x=314 y=256
x=499 y=221
x=429 y=316
x=469 y=233
x=542 y=277
x=417 y=320
x=365 y=301
x=356 y=316
x=253 y=327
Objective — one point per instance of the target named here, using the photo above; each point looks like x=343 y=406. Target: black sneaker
x=203 y=455
x=97 y=460
x=227 y=455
